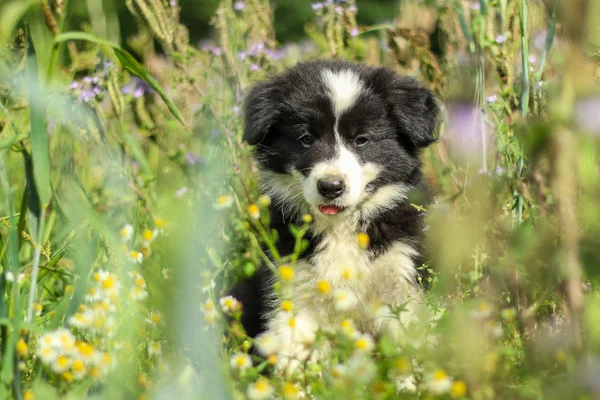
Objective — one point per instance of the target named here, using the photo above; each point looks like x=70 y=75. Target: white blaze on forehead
x=344 y=88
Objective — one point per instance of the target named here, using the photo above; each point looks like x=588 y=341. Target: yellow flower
x=307 y=218
x=363 y=240
x=266 y=343
x=439 y=382
x=154 y=348
x=272 y=359
x=61 y=364
x=291 y=322
x=22 y=348
x=323 y=287
x=458 y=390
x=143 y=380
x=28 y=395
x=85 y=350
x=160 y=223
x=286 y=273
x=209 y=305
x=148 y=235
x=38 y=309
x=264 y=201
x=126 y=233
x=136 y=256
x=364 y=343
x=78 y=369
x=95 y=373
x=139 y=281
x=240 y=361
x=223 y=202
x=108 y=283
x=347 y=273
x=67 y=376
x=155 y=317
x=290 y=391
x=254 y=211
x=402 y=365
x=259 y=390
x=230 y=304
x=287 y=306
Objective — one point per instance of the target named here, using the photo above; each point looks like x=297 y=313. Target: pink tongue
x=329 y=210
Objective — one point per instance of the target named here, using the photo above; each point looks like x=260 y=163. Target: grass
x=129 y=204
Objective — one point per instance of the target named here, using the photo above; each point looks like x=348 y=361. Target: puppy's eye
x=307 y=140
x=361 y=141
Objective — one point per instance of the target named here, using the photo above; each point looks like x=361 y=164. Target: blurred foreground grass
x=129 y=204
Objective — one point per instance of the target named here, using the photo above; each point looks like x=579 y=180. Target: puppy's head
x=334 y=137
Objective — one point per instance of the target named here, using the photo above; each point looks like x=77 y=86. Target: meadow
x=130 y=205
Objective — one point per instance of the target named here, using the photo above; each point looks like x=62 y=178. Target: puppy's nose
x=331 y=187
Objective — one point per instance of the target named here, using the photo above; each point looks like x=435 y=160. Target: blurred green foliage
x=114 y=270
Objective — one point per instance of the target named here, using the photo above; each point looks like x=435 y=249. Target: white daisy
x=267 y=343
x=126 y=233
x=259 y=390
x=439 y=382
x=344 y=299
x=240 y=361
x=230 y=304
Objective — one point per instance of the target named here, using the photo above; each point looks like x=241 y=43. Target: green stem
x=56 y=48
x=547 y=46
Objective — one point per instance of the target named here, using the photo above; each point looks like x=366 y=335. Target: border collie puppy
x=339 y=141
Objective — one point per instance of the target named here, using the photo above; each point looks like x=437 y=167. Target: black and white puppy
x=340 y=141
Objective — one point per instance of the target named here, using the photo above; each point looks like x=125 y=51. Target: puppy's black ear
x=261 y=110
x=415 y=109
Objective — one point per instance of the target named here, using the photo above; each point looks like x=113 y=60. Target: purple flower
x=353 y=8
x=138 y=92
x=236 y=109
x=193 y=159
x=138 y=87
x=74 y=85
x=316 y=6
x=276 y=55
x=173 y=3
x=587 y=115
x=476 y=5
x=87 y=79
x=532 y=59
x=464 y=130
x=216 y=51
x=492 y=99
x=354 y=32
x=254 y=67
x=239 y=5
x=257 y=48
x=242 y=55
x=339 y=10
x=501 y=39
x=86 y=95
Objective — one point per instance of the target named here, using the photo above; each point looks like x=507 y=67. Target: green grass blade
x=37 y=168
x=129 y=63
x=547 y=46
x=39 y=134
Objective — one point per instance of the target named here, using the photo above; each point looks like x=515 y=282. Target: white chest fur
x=360 y=288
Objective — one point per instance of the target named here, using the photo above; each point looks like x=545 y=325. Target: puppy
x=340 y=141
